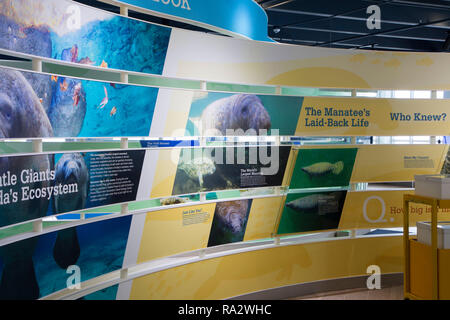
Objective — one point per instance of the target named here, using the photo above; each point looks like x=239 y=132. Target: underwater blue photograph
x=36 y=267
x=73 y=32
x=68 y=108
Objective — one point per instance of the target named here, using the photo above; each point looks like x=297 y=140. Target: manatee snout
x=6 y=115
x=251 y=114
x=71 y=169
x=72 y=172
x=236 y=221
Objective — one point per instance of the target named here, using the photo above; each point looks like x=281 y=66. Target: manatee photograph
x=53 y=106
x=33 y=268
x=312 y=211
x=33 y=187
x=75 y=33
x=207 y=169
x=229 y=222
x=328 y=167
x=213 y=113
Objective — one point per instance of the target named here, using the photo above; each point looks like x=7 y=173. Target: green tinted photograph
x=317 y=168
x=312 y=212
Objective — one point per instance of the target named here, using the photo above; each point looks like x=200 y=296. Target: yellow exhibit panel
x=263 y=218
x=177 y=112
x=389 y=163
x=382 y=209
x=165 y=171
x=383 y=163
x=246 y=272
x=372 y=117
x=304 y=66
x=172 y=231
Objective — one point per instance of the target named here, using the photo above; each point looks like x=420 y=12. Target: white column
x=124 y=143
x=37 y=145
x=124 y=11
x=124 y=208
x=37 y=226
x=36 y=65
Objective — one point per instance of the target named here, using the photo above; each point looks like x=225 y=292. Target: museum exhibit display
x=163 y=163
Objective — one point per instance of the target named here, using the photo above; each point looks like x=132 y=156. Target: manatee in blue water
x=34 y=40
x=240 y=111
x=42 y=86
x=21 y=116
x=70 y=169
x=68 y=106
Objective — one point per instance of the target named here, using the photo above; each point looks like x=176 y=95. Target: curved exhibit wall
x=215 y=183
x=238 y=274
x=36 y=186
x=238 y=18
x=241 y=61
x=52 y=184
x=95 y=37
x=38 y=266
x=70 y=107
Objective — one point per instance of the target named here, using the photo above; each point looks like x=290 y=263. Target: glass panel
x=214 y=86
x=164 y=82
x=300 y=91
x=422 y=94
x=367 y=94
x=402 y=94
x=80 y=73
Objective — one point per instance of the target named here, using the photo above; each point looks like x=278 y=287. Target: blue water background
x=134 y=106
x=122 y=43
x=102 y=246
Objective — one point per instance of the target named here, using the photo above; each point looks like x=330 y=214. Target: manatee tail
x=338 y=167
x=67 y=248
x=19 y=281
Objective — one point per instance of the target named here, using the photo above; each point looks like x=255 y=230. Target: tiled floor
x=390 y=293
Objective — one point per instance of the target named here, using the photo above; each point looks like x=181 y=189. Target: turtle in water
x=197 y=168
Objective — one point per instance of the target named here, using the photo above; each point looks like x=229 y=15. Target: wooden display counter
x=427 y=268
